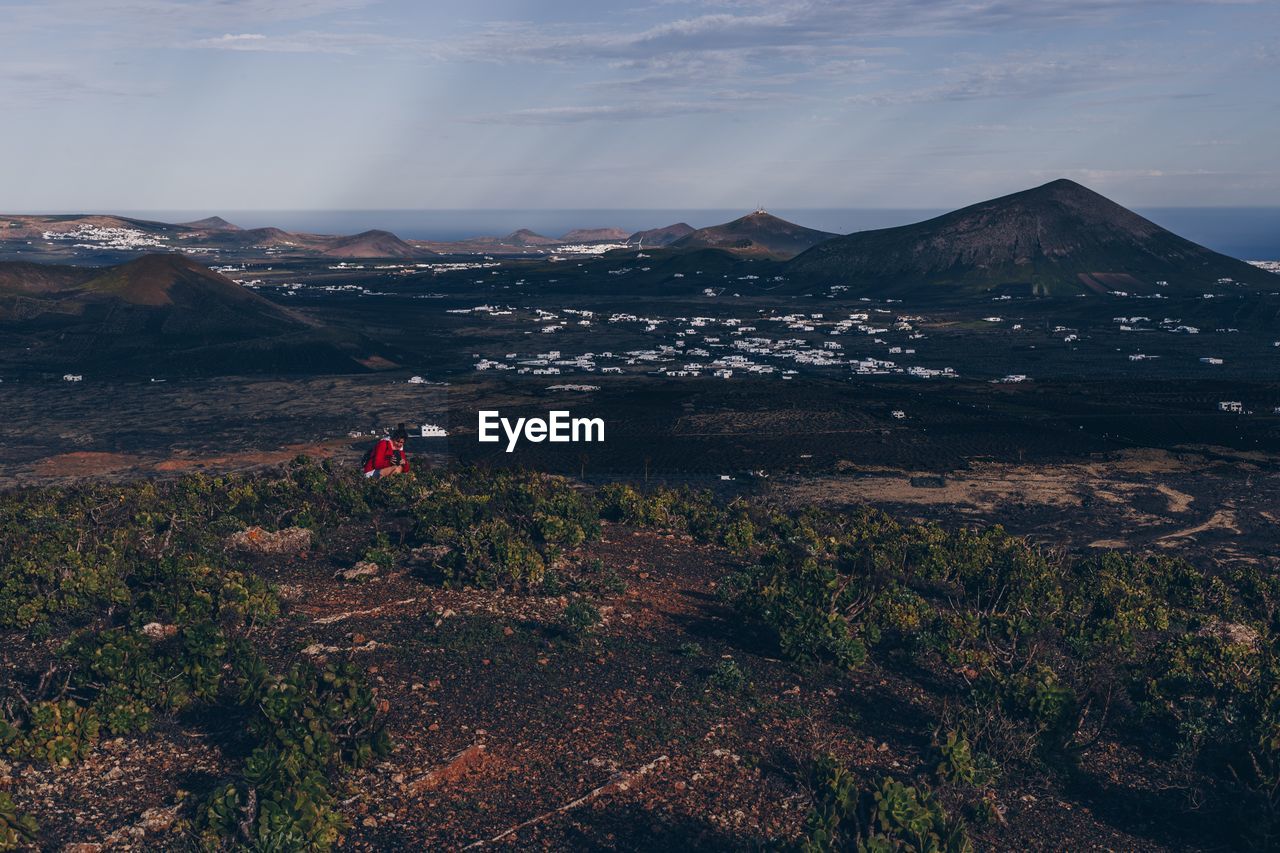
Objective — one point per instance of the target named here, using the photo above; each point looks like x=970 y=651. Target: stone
x=158 y=819
x=429 y=554
x=464 y=762
x=362 y=569
x=1232 y=633
x=159 y=631
x=256 y=540
x=290 y=591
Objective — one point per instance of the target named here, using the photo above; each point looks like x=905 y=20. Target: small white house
x=433 y=431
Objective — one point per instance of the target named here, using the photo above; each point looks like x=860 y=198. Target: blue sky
x=241 y=104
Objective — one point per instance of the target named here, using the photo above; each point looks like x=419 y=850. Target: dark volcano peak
x=212 y=223
x=1056 y=239
x=758 y=233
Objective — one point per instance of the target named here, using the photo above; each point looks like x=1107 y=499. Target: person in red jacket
x=388 y=456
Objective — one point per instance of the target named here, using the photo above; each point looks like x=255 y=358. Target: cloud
x=1017 y=77
x=304 y=42
x=1107 y=176
x=810 y=25
x=192 y=14
x=803 y=44
x=232 y=41
x=611 y=112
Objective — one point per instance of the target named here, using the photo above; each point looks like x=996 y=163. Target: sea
x=1251 y=233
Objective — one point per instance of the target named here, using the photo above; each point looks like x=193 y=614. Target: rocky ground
x=660 y=727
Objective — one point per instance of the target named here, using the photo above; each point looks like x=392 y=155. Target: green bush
x=492 y=553
x=890 y=817
x=58 y=732
x=580 y=617
x=298 y=814
x=811 y=611
x=17 y=830
x=728 y=677
x=308 y=724
x=381 y=553
x=959 y=765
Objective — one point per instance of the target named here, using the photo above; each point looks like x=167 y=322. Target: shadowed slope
x=1058 y=239
x=758 y=233
x=168 y=314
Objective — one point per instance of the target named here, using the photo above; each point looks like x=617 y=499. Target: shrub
x=57 y=732
x=308 y=724
x=691 y=650
x=381 y=553
x=492 y=553
x=580 y=617
x=890 y=817
x=17 y=830
x=268 y=814
x=811 y=611
x=959 y=765
x=728 y=677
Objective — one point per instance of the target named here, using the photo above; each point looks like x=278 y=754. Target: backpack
x=368 y=457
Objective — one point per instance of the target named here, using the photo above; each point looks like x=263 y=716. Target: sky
x=353 y=104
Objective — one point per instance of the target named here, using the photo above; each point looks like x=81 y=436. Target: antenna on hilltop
x=760 y=209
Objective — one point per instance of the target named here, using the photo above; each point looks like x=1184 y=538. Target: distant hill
x=136 y=236
x=661 y=236
x=758 y=234
x=1053 y=240
x=594 y=235
x=369 y=244
x=162 y=313
x=33 y=226
x=211 y=223
x=525 y=237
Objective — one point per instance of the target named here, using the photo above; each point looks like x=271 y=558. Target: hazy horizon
x=1252 y=233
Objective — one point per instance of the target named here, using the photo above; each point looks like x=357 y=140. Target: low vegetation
x=1037 y=653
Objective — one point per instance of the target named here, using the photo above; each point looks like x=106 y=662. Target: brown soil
x=509 y=732
x=83 y=463
x=87 y=464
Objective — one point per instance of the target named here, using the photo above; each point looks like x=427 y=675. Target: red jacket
x=383 y=456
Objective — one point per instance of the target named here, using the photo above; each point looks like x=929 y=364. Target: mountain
x=594 y=235
x=34 y=227
x=1058 y=239
x=525 y=237
x=757 y=234
x=369 y=244
x=211 y=223
x=21 y=278
x=163 y=314
x=661 y=236
x=100 y=238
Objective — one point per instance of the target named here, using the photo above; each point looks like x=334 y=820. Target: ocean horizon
x=1251 y=233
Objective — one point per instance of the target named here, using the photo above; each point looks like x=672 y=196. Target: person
x=388 y=456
